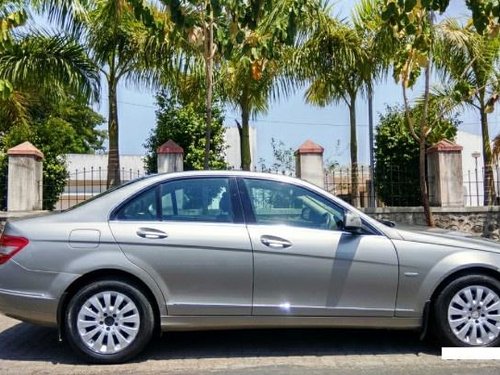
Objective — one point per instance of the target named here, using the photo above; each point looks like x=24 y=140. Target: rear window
x=106 y=192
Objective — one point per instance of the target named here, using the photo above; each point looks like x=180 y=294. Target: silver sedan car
x=208 y=250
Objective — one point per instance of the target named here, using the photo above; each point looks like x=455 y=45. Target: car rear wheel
x=468 y=312
x=109 y=321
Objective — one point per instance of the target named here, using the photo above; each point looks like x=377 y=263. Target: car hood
x=445 y=237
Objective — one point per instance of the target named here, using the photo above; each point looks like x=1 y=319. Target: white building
x=472 y=153
x=134 y=164
x=232 y=139
x=129 y=164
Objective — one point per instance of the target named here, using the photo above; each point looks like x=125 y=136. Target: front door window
x=286 y=204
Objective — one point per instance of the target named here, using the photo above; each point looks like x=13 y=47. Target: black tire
x=137 y=343
x=443 y=331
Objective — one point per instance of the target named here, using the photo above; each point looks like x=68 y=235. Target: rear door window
x=197 y=199
x=142 y=207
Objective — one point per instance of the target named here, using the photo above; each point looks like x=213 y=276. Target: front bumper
x=30 y=295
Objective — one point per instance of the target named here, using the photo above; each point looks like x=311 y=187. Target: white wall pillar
x=309 y=163
x=444 y=173
x=170 y=157
x=25 y=178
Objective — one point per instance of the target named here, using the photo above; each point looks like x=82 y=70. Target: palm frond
x=40 y=59
x=14 y=109
x=70 y=15
x=495 y=147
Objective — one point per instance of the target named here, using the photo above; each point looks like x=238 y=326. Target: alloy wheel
x=108 y=322
x=474 y=315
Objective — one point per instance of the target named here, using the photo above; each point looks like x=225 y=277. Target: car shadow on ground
x=32 y=343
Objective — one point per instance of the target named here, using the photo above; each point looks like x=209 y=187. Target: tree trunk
x=246 y=157
x=429 y=219
x=372 y=197
x=209 y=38
x=354 y=153
x=421 y=138
x=114 y=152
x=488 y=181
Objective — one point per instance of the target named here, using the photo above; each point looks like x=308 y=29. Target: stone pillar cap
x=25 y=149
x=309 y=147
x=445 y=146
x=170 y=147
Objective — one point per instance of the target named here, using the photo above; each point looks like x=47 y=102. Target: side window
x=197 y=199
x=281 y=203
x=142 y=207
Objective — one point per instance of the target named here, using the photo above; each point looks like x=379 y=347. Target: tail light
x=10 y=246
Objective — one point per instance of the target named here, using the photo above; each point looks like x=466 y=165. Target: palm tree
x=248 y=86
x=338 y=67
x=379 y=46
x=118 y=44
x=38 y=62
x=191 y=24
x=470 y=63
x=259 y=66
x=248 y=48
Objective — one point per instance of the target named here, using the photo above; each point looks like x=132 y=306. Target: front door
x=188 y=234
x=306 y=265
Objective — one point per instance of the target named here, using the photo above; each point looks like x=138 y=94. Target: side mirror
x=352 y=222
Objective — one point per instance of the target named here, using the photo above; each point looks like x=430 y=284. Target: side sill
x=195 y=323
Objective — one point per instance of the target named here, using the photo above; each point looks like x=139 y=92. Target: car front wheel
x=109 y=321
x=468 y=311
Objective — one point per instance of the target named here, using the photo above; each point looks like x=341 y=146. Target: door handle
x=275 y=242
x=150 y=233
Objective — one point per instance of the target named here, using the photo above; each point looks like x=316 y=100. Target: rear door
x=189 y=234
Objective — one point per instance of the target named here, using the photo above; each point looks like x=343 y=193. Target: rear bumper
x=30 y=295
x=29 y=307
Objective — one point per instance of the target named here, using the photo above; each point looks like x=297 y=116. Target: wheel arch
x=107 y=274
x=430 y=316
x=428 y=312
x=454 y=275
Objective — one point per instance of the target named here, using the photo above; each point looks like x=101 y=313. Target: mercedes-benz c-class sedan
x=208 y=250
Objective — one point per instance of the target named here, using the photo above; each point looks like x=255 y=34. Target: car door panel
x=305 y=264
x=205 y=268
x=323 y=273
x=189 y=235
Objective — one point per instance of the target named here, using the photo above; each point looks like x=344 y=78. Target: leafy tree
x=485 y=14
x=411 y=23
x=56 y=129
x=70 y=125
x=184 y=123
x=397 y=156
x=411 y=27
x=469 y=64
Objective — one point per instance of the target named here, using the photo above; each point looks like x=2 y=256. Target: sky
x=290 y=120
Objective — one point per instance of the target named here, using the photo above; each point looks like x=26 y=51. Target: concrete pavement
x=27 y=349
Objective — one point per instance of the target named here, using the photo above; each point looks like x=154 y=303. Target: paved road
x=27 y=349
